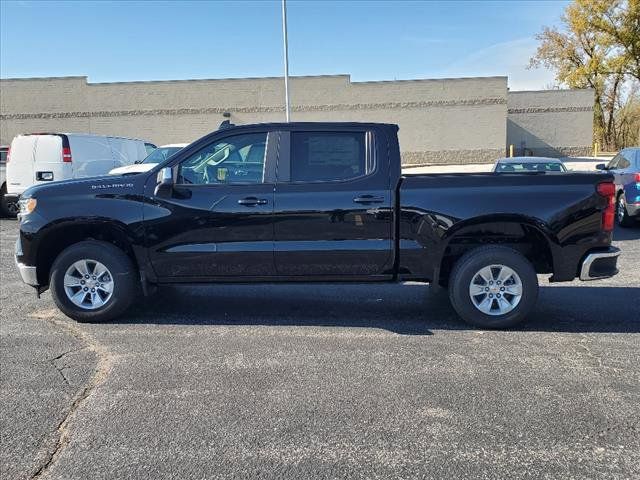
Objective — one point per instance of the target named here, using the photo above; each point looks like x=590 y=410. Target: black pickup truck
x=313 y=202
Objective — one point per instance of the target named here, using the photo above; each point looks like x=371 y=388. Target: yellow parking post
x=511 y=150
x=595 y=149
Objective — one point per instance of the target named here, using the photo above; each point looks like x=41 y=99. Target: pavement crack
x=100 y=373
x=61 y=370
x=64 y=354
x=64 y=377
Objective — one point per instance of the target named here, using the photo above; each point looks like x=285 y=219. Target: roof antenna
x=226 y=123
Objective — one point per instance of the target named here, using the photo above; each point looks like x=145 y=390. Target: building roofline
x=562 y=90
x=191 y=80
x=70 y=77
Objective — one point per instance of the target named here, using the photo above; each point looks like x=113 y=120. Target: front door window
x=233 y=160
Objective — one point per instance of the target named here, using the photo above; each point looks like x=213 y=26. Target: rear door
x=333 y=210
x=20 y=171
x=49 y=164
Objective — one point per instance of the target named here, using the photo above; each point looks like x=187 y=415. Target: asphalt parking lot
x=320 y=381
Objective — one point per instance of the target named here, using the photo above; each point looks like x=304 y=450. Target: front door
x=219 y=221
x=333 y=211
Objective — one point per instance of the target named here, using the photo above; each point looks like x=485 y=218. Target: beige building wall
x=441 y=121
x=551 y=122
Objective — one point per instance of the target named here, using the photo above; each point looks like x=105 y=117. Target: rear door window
x=327 y=156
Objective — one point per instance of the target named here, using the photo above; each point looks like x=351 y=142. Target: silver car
x=529 y=164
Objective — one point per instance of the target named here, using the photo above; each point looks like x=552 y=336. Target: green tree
x=598 y=47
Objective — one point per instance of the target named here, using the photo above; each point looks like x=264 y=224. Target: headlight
x=27 y=205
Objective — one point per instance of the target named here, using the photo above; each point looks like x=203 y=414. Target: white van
x=159 y=155
x=7 y=208
x=45 y=157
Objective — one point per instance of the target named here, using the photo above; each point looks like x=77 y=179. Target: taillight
x=8 y=155
x=66 y=154
x=637 y=176
x=608 y=190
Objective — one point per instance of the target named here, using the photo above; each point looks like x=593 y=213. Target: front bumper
x=600 y=264
x=28 y=273
x=12 y=197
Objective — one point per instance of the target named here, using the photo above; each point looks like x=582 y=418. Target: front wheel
x=493 y=287
x=7 y=208
x=93 y=281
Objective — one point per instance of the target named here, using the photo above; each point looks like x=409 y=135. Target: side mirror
x=601 y=166
x=164 y=188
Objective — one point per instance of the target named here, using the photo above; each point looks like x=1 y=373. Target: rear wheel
x=493 y=287
x=93 y=281
x=7 y=208
x=624 y=220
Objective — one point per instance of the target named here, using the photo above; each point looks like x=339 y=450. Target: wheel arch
x=523 y=234
x=67 y=233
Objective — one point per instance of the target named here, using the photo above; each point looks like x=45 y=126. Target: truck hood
x=134 y=168
x=101 y=184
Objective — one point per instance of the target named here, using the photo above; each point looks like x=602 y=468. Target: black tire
x=622 y=216
x=466 y=269
x=7 y=209
x=125 y=280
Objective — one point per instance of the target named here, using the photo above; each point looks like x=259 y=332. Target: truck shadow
x=624 y=234
x=401 y=309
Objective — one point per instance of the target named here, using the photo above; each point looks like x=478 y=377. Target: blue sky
x=127 y=41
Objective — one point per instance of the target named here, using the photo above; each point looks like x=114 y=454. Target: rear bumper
x=600 y=264
x=633 y=209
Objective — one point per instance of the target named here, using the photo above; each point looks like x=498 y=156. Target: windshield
x=160 y=154
x=531 y=167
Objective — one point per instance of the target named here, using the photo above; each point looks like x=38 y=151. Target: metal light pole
x=286 y=60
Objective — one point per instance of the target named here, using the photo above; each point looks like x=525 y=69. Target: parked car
x=313 y=202
x=45 y=157
x=625 y=167
x=7 y=208
x=529 y=164
x=159 y=155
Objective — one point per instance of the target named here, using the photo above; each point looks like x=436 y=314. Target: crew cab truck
x=310 y=202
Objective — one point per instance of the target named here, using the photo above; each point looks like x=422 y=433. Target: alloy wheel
x=495 y=290
x=88 y=284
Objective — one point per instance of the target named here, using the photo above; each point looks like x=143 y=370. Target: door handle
x=368 y=199
x=252 y=201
